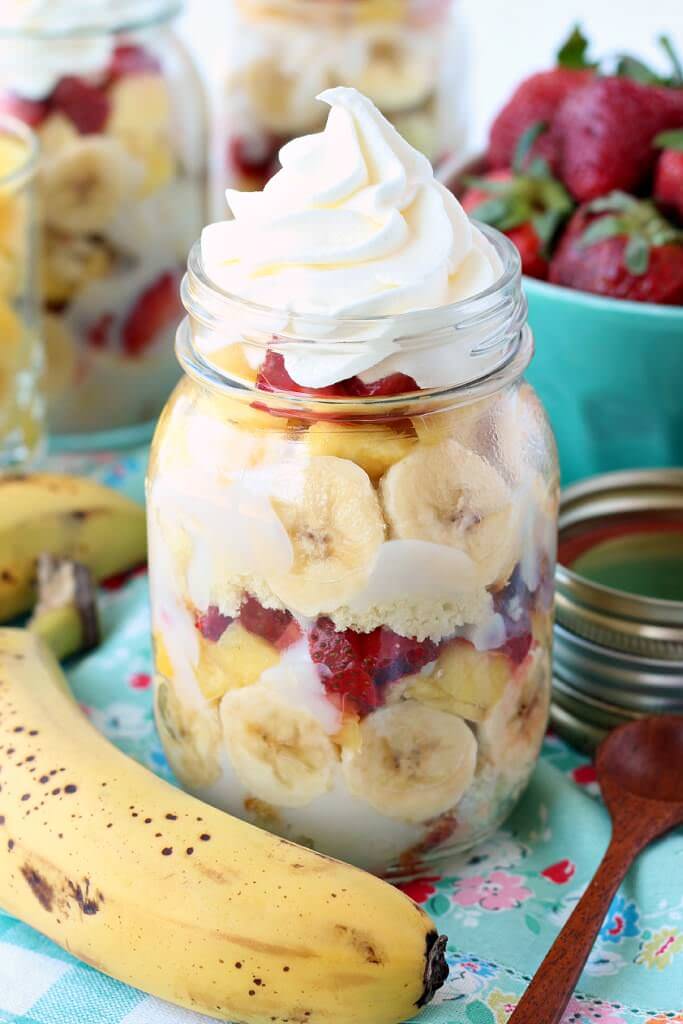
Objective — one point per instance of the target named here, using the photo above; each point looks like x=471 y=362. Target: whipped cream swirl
x=353 y=225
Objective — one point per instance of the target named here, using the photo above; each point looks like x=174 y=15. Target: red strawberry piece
x=388 y=656
x=273 y=376
x=420 y=889
x=254 y=156
x=339 y=657
x=526 y=202
x=560 y=873
x=212 y=624
x=98 y=334
x=606 y=131
x=517 y=647
x=31 y=112
x=157 y=309
x=624 y=248
x=385 y=387
x=129 y=59
x=86 y=106
x=536 y=99
x=272 y=624
x=668 y=190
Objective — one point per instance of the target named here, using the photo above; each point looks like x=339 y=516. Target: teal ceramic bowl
x=610 y=375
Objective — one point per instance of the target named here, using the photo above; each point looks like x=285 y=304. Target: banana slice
x=281 y=754
x=373 y=448
x=414 y=762
x=510 y=736
x=464 y=682
x=190 y=736
x=68 y=263
x=140 y=109
x=445 y=494
x=84 y=185
x=331 y=514
x=55 y=134
x=395 y=78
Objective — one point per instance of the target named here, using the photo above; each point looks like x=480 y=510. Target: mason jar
x=120 y=116
x=352 y=586
x=407 y=56
x=21 y=353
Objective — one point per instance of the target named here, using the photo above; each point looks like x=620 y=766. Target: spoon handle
x=547 y=996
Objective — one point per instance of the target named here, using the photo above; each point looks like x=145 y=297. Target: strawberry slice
x=273 y=376
x=276 y=626
x=393 y=384
x=254 y=156
x=157 y=309
x=212 y=624
x=340 y=661
x=98 y=334
x=31 y=112
x=86 y=106
x=129 y=59
x=388 y=656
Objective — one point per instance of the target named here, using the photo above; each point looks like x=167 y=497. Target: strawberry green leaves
x=637 y=220
x=574 y=52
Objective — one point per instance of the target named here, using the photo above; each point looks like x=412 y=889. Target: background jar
x=120 y=116
x=408 y=56
x=351 y=589
x=21 y=353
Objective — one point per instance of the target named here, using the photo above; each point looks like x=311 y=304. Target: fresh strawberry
x=212 y=624
x=276 y=626
x=622 y=247
x=86 y=106
x=385 y=387
x=254 y=156
x=526 y=203
x=339 y=657
x=98 y=334
x=535 y=100
x=668 y=188
x=31 y=112
x=606 y=131
x=157 y=309
x=129 y=59
x=388 y=656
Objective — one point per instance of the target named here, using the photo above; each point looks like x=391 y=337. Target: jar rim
x=10 y=125
x=131 y=16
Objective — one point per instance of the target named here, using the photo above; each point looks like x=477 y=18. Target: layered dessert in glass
x=352 y=509
x=120 y=117
x=22 y=407
x=408 y=56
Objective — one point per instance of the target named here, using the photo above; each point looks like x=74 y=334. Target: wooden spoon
x=640 y=771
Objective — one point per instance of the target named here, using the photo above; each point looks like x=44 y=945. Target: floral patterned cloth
x=501 y=905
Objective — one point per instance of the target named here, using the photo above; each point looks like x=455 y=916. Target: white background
x=509 y=38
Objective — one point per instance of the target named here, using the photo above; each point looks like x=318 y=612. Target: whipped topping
x=353 y=225
x=55 y=38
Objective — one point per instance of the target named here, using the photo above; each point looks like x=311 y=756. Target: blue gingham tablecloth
x=501 y=905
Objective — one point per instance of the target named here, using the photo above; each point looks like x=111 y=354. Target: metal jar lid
x=618 y=655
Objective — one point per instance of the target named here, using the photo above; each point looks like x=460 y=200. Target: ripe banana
x=179 y=899
x=66 y=615
x=66 y=516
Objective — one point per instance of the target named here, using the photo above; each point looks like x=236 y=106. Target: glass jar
x=120 y=116
x=407 y=56
x=352 y=587
x=21 y=353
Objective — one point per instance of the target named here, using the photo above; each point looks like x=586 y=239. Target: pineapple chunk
x=464 y=682
x=231 y=360
x=140 y=110
x=238 y=659
x=375 y=449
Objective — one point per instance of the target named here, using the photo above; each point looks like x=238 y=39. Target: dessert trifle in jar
x=407 y=56
x=120 y=117
x=21 y=354
x=352 y=510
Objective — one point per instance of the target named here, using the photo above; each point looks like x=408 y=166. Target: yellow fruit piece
x=68 y=263
x=231 y=360
x=349 y=738
x=465 y=682
x=190 y=736
x=60 y=354
x=461 y=423
x=140 y=109
x=56 y=133
x=238 y=659
x=160 y=167
x=11 y=331
x=374 y=449
x=162 y=658
x=13 y=153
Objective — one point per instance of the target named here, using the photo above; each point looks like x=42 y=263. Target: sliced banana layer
x=86 y=183
x=510 y=736
x=281 y=754
x=332 y=517
x=373 y=448
x=190 y=736
x=414 y=762
x=446 y=494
